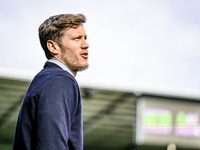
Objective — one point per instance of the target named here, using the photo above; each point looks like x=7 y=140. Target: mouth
x=85 y=55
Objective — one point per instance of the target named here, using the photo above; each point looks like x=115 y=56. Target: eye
x=77 y=37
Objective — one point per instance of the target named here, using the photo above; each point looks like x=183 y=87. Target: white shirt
x=60 y=65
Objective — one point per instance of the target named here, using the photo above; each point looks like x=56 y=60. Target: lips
x=84 y=55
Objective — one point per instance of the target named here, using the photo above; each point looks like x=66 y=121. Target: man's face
x=74 y=47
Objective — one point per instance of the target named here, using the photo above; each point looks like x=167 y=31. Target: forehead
x=79 y=30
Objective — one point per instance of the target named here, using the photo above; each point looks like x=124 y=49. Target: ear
x=53 y=47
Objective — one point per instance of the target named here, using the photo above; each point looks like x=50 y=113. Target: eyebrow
x=80 y=36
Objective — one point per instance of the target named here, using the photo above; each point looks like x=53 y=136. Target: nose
x=84 y=45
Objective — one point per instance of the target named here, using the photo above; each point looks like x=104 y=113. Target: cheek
x=72 y=55
x=72 y=51
x=75 y=52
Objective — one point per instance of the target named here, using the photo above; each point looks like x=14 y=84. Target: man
x=50 y=116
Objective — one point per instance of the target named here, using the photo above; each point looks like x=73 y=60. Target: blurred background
x=142 y=88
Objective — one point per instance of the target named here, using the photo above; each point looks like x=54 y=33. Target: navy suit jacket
x=50 y=117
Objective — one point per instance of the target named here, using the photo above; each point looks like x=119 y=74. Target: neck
x=73 y=72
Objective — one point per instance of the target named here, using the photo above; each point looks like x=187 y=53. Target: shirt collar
x=60 y=65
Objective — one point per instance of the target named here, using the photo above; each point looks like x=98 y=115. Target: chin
x=83 y=68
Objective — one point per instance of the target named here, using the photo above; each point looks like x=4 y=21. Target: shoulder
x=52 y=76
